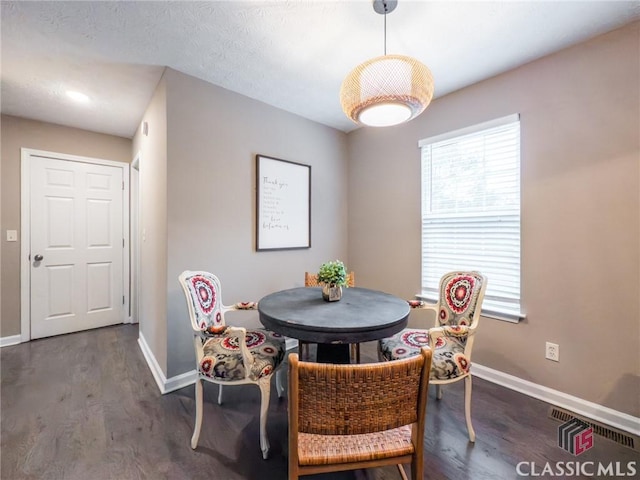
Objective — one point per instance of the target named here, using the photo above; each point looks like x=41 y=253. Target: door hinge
x=123 y=243
x=123 y=184
x=123 y=299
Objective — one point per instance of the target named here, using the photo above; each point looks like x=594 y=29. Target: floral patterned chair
x=228 y=355
x=457 y=315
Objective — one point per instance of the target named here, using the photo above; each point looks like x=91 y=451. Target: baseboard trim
x=591 y=410
x=11 y=340
x=156 y=371
x=165 y=385
x=290 y=343
x=180 y=381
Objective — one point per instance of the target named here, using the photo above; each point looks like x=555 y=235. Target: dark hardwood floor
x=85 y=406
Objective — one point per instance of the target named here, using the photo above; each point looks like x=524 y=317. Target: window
x=471 y=211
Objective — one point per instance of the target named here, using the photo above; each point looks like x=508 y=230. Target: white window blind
x=471 y=210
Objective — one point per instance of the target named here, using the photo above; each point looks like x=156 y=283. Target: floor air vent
x=626 y=439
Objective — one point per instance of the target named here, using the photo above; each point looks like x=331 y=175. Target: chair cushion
x=222 y=358
x=316 y=449
x=448 y=361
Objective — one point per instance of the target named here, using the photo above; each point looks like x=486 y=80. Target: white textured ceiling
x=289 y=54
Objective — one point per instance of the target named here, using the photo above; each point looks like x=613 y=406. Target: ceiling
x=289 y=54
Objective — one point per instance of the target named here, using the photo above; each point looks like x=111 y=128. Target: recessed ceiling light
x=77 y=96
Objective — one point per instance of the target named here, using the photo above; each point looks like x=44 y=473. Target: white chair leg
x=279 y=384
x=265 y=389
x=403 y=474
x=467 y=408
x=196 y=429
x=439 y=392
x=219 y=394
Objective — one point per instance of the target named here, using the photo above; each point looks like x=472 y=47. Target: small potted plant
x=332 y=276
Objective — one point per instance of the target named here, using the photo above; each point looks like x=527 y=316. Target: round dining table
x=362 y=315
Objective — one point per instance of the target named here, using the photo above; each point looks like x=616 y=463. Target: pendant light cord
x=385 y=30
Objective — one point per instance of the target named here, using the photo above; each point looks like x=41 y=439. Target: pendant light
x=386 y=90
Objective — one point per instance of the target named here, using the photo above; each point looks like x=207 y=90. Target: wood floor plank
x=85 y=406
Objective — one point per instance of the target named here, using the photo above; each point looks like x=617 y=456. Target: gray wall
x=580 y=125
x=152 y=148
x=213 y=136
x=17 y=133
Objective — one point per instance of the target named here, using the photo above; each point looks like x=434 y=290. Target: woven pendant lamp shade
x=386 y=90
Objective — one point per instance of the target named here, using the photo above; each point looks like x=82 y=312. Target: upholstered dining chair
x=457 y=316
x=341 y=417
x=311 y=280
x=227 y=355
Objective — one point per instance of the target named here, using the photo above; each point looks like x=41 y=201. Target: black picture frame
x=283 y=204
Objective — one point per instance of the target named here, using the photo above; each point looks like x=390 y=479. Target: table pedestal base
x=333 y=353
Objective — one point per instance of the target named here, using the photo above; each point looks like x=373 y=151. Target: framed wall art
x=283 y=204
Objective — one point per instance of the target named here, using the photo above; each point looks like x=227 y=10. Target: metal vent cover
x=622 y=438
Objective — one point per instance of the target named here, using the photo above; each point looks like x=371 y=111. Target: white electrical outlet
x=552 y=352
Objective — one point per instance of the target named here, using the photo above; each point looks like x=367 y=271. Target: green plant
x=333 y=274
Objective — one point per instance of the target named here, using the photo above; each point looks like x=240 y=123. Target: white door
x=77 y=243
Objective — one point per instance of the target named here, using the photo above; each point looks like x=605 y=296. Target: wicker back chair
x=311 y=280
x=342 y=417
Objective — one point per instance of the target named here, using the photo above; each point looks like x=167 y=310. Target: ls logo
x=575 y=436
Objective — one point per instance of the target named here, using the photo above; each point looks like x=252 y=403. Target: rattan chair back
x=311 y=279
x=349 y=408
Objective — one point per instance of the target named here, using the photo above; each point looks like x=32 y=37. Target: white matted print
x=283 y=204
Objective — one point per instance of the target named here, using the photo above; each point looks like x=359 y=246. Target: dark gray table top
x=361 y=315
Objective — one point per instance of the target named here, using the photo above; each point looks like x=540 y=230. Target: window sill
x=505 y=316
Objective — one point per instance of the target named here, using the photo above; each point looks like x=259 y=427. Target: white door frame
x=135 y=239
x=25 y=230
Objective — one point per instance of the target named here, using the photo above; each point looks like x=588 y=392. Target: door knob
x=38 y=258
